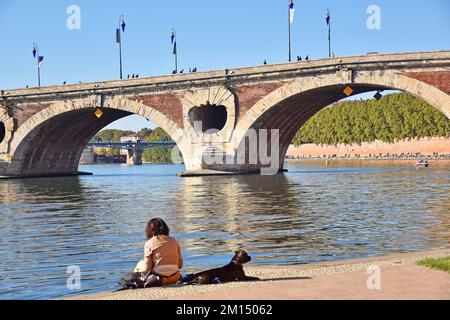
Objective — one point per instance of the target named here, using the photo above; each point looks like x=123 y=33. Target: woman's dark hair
x=156 y=227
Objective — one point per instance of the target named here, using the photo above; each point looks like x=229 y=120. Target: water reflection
x=220 y=214
x=313 y=213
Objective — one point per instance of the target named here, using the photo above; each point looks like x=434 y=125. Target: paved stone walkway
x=406 y=282
x=400 y=278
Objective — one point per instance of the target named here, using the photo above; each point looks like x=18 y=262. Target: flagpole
x=176 y=60
x=37 y=59
x=329 y=35
x=120 y=56
x=121 y=21
x=289 y=29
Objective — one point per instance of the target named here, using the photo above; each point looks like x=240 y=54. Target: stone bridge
x=230 y=120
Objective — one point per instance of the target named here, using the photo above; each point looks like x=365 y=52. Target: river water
x=315 y=212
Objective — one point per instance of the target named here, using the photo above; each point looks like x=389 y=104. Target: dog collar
x=236 y=263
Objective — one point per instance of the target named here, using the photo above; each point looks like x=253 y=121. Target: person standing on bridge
x=162 y=256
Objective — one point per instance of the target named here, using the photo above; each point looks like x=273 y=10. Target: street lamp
x=119 y=32
x=291 y=11
x=328 y=20
x=39 y=60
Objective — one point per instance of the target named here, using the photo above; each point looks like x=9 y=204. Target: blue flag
x=328 y=18
x=40 y=60
x=34 y=52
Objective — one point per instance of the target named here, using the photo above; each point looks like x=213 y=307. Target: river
x=315 y=212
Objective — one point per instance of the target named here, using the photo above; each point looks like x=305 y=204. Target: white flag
x=291 y=11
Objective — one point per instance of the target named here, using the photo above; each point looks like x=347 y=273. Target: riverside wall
x=414 y=148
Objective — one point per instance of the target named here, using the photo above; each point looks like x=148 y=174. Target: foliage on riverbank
x=147 y=135
x=394 y=117
x=436 y=263
x=158 y=155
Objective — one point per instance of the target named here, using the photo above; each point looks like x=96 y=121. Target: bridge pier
x=134 y=156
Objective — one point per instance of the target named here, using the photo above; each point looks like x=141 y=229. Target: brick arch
x=290 y=106
x=7 y=128
x=51 y=141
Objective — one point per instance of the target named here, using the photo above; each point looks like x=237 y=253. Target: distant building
x=88 y=156
x=131 y=138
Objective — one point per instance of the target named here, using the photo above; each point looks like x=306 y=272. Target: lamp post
x=291 y=11
x=173 y=39
x=39 y=60
x=119 y=32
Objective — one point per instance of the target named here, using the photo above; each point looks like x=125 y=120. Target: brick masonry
x=168 y=103
x=248 y=95
x=23 y=112
x=438 y=79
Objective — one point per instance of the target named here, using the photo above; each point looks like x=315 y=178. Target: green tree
x=101 y=151
x=157 y=135
x=114 y=151
x=111 y=135
x=148 y=135
x=157 y=155
x=394 y=117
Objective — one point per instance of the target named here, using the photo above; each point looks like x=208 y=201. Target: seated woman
x=162 y=256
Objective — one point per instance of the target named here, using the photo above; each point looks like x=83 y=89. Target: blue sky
x=211 y=35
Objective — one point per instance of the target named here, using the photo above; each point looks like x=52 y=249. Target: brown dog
x=231 y=272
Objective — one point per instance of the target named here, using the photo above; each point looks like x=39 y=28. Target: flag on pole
x=328 y=18
x=173 y=40
x=123 y=25
x=40 y=60
x=118 y=36
x=291 y=11
x=34 y=52
x=175 y=47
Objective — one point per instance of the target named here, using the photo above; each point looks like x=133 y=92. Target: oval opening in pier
x=2 y=131
x=209 y=118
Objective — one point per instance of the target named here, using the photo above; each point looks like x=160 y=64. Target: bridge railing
x=131 y=145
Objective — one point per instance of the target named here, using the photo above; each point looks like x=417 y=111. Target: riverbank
x=401 y=278
x=431 y=148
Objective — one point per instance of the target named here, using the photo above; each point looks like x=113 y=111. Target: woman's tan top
x=162 y=255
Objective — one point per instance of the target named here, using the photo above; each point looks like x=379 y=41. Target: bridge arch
x=290 y=106
x=51 y=141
